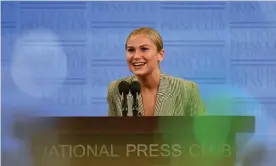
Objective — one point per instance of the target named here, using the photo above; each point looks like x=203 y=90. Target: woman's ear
x=161 y=55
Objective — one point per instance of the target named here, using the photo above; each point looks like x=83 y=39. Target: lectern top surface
x=112 y=125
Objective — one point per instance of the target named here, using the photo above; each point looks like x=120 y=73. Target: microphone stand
x=135 y=105
x=124 y=105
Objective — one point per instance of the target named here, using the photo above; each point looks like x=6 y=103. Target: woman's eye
x=130 y=50
x=144 y=49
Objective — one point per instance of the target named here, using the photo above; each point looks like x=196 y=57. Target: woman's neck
x=150 y=82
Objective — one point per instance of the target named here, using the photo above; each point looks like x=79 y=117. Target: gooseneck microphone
x=124 y=90
x=135 y=89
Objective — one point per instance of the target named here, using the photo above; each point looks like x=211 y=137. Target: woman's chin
x=139 y=73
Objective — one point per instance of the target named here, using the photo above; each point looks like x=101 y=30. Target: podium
x=133 y=141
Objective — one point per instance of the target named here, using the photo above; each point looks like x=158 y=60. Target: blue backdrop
x=59 y=57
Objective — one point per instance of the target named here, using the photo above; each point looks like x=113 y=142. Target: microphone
x=135 y=89
x=124 y=90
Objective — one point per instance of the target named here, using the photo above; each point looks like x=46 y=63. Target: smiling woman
x=161 y=94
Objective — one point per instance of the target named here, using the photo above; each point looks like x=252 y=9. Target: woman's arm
x=196 y=104
x=110 y=101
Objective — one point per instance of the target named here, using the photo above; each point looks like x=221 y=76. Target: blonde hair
x=149 y=32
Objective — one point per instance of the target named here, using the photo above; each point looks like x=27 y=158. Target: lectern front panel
x=133 y=141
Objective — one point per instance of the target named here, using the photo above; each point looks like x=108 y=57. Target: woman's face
x=142 y=55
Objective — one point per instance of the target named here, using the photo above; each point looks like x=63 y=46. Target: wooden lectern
x=136 y=141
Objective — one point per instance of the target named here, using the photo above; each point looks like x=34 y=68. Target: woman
x=161 y=95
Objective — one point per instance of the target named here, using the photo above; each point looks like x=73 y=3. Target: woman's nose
x=137 y=55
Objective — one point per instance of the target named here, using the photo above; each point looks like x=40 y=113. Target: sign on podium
x=137 y=141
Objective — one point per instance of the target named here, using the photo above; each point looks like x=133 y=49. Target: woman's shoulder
x=180 y=81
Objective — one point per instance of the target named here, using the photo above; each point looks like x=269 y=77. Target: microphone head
x=135 y=87
x=123 y=87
